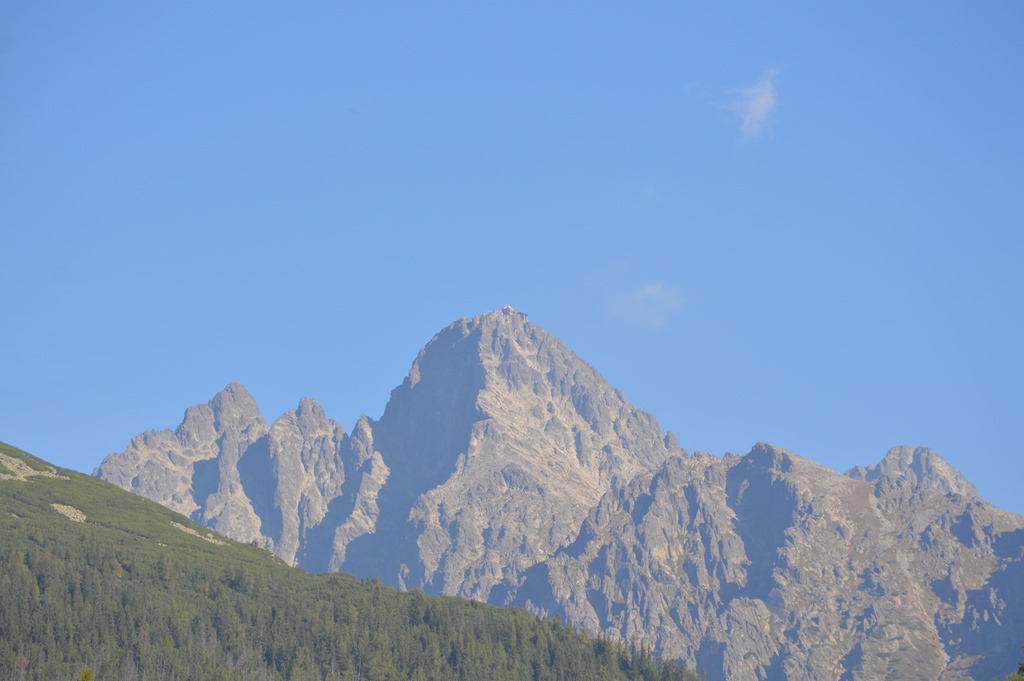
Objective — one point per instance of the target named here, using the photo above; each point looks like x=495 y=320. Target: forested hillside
x=94 y=578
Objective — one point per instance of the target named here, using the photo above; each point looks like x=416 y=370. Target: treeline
x=129 y=601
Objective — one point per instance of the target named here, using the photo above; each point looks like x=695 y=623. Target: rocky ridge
x=769 y=566
x=506 y=469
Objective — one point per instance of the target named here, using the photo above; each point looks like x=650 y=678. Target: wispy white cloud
x=755 y=104
x=648 y=305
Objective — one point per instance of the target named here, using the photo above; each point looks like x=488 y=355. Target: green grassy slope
x=136 y=591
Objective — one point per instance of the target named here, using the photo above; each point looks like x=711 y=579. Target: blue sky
x=794 y=223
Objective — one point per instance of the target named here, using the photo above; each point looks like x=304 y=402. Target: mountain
x=499 y=442
x=769 y=566
x=93 y=577
x=508 y=470
x=488 y=457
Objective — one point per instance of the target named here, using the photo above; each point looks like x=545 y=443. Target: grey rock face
x=920 y=465
x=768 y=566
x=195 y=468
x=506 y=469
x=272 y=485
x=499 y=443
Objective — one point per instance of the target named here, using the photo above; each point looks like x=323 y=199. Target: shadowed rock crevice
x=424 y=431
x=256 y=472
x=318 y=546
x=205 y=481
x=764 y=504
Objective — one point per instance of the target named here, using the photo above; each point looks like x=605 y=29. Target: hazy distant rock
x=769 y=566
x=226 y=468
x=355 y=513
x=305 y=474
x=507 y=469
x=499 y=442
x=920 y=465
x=194 y=469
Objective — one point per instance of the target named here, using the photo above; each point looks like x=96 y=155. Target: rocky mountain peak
x=309 y=411
x=308 y=421
x=234 y=409
x=771 y=458
x=507 y=469
x=500 y=431
x=917 y=465
x=474 y=336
